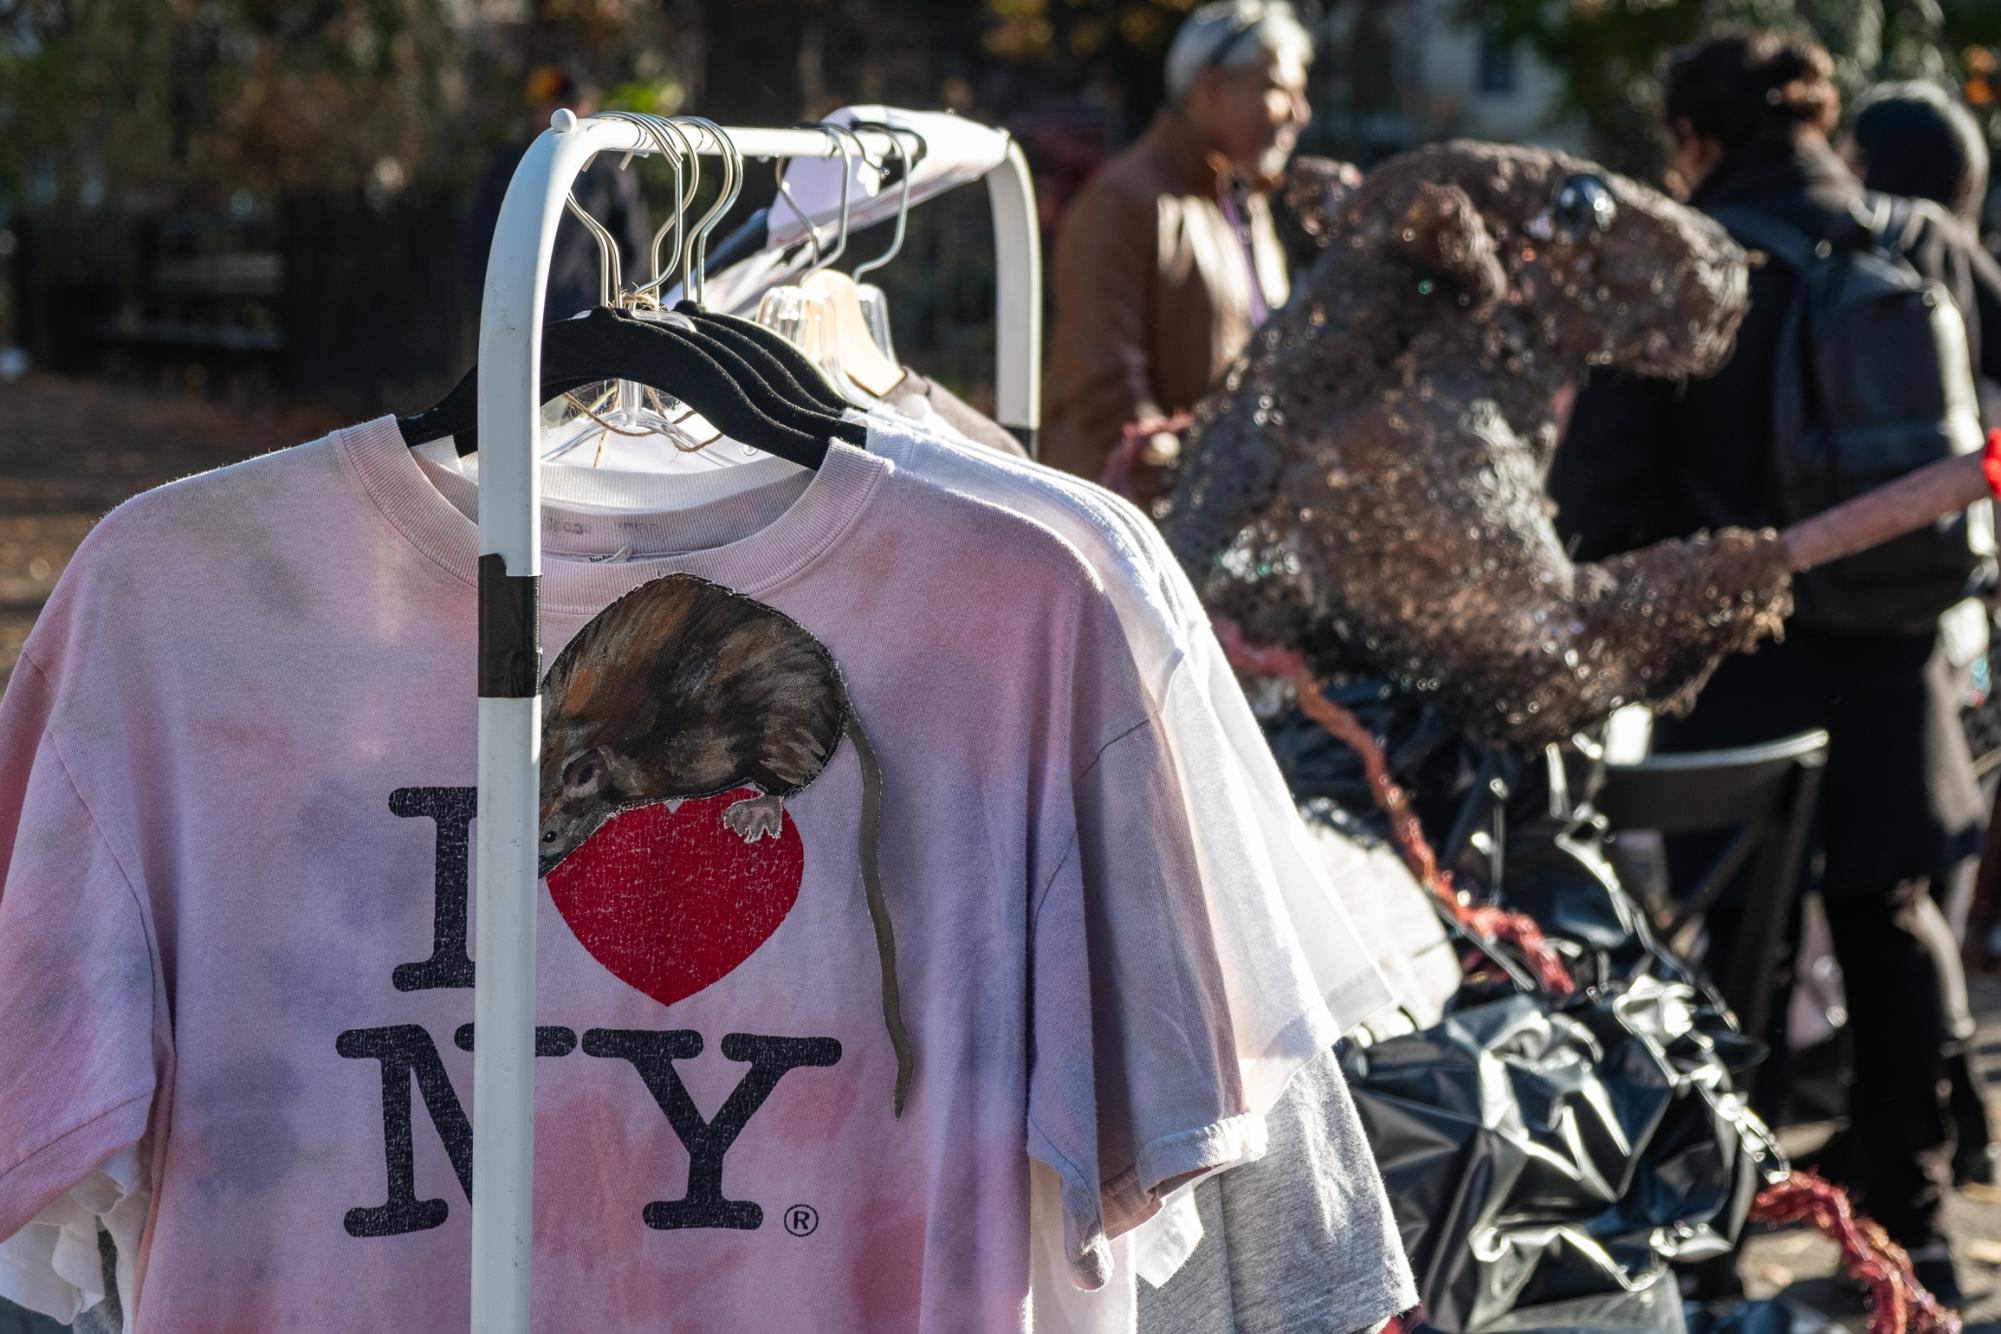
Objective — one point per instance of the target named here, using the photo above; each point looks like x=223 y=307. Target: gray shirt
x=1299 y=1242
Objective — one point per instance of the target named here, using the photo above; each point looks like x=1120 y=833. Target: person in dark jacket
x=602 y=190
x=1913 y=139
x=1749 y=115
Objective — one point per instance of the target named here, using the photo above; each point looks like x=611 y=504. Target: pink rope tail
x=1898 y=1304
x=1513 y=929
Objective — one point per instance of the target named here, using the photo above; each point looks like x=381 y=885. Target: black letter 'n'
x=405 y=1050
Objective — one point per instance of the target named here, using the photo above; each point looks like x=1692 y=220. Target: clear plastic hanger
x=874 y=303
x=870 y=375
x=875 y=310
x=797 y=312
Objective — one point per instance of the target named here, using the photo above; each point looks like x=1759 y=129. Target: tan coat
x=1152 y=297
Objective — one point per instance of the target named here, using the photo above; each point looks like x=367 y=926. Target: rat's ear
x=587 y=772
x=1436 y=228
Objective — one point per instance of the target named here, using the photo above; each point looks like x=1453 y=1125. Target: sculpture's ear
x=1436 y=228
x=1315 y=189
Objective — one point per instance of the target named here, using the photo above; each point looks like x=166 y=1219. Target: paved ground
x=1801 y=1265
x=70 y=451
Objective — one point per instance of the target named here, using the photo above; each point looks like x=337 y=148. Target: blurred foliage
x=1108 y=51
x=1608 y=53
x=1082 y=29
x=174 y=94
x=200 y=102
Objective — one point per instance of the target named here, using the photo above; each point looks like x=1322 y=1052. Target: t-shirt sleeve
x=1139 y=1070
x=78 y=975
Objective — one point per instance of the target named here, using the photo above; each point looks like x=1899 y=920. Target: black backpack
x=1872 y=379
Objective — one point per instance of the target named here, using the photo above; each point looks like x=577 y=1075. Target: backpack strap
x=1759 y=230
x=1893 y=221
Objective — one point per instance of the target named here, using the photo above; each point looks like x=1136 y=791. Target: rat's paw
x=756 y=817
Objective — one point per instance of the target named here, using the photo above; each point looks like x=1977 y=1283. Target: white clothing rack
x=510 y=707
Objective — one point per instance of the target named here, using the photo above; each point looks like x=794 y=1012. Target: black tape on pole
x=510 y=632
x=1025 y=434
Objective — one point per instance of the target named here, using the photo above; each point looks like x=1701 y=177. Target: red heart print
x=672 y=900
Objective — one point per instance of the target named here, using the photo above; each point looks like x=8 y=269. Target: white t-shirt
x=1226 y=765
x=1255 y=841
x=236 y=769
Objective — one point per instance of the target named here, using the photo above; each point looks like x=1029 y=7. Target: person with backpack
x=1850 y=368
x=1917 y=140
x=1914 y=140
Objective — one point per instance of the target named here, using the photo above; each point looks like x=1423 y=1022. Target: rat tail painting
x=868 y=841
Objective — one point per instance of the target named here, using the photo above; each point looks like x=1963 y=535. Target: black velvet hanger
x=767 y=378
x=801 y=374
x=716 y=381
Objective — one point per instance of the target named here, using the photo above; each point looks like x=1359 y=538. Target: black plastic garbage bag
x=1562 y=878
x=1655 y=1307
x=1515 y=829
x=1553 y=1157
x=1766 y=1317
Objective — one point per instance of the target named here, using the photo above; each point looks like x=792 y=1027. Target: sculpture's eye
x=1583 y=207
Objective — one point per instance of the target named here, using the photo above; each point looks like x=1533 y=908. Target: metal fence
x=375 y=306
x=330 y=298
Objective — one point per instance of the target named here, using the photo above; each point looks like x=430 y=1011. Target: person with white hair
x=1166 y=261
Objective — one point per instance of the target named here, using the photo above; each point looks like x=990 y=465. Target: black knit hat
x=1920 y=143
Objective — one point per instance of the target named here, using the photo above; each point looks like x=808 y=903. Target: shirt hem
x=1168 y=1161
x=1336 y=1315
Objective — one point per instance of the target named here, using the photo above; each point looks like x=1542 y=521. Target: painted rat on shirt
x=683 y=689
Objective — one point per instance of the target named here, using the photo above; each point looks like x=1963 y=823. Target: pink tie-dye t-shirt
x=236 y=791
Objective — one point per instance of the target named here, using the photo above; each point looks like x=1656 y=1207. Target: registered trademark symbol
x=801 y=1220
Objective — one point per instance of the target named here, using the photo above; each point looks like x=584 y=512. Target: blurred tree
x=208 y=97
x=1362 y=91
x=1107 y=53
x=1608 y=52
x=195 y=102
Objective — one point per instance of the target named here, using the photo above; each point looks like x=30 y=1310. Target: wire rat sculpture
x=1366 y=485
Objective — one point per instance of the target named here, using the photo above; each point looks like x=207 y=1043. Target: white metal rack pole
x=1017 y=297
x=510 y=708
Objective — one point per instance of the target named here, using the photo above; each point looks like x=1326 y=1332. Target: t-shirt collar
x=746 y=539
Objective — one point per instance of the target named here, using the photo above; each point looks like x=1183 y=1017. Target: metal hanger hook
x=692 y=160
x=654 y=128
x=903 y=203
x=805 y=219
x=610 y=273
x=695 y=258
x=840 y=135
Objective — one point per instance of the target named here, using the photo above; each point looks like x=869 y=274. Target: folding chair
x=1766 y=794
